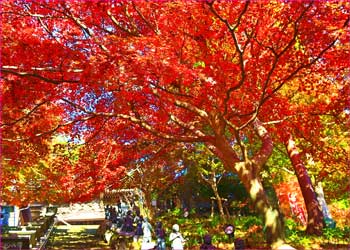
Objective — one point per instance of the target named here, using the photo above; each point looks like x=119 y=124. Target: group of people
x=142 y=231
x=137 y=226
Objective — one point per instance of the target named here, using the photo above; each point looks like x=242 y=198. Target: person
x=147 y=243
x=239 y=244
x=119 y=207
x=113 y=215
x=128 y=223
x=139 y=231
x=103 y=228
x=207 y=245
x=160 y=234
x=107 y=212
x=147 y=231
x=176 y=238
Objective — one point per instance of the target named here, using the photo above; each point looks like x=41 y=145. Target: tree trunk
x=218 y=199
x=248 y=172
x=315 y=216
x=147 y=205
x=212 y=181
x=273 y=220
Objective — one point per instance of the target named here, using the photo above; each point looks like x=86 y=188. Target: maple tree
x=212 y=72
x=326 y=164
x=209 y=170
x=153 y=174
x=315 y=216
x=329 y=165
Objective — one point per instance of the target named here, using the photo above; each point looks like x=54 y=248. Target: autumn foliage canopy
x=128 y=80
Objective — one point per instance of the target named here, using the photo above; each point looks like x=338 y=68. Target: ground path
x=76 y=227
x=75 y=237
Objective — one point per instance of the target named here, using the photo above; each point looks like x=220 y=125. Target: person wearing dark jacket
x=160 y=235
x=128 y=223
x=207 y=245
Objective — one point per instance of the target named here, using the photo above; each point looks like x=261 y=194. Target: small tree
x=209 y=169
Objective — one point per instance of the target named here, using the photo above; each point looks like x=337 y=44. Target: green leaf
x=199 y=64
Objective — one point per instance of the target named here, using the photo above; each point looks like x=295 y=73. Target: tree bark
x=273 y=220
x=212 y=181
x=315 y=217
x=218 y=199
x=147 y=205
x=248 y=172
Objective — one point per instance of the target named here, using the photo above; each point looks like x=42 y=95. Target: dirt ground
x=75 y=237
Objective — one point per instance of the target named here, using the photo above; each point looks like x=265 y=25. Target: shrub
x=215 y=221
x=176 y=212
x=251 y=221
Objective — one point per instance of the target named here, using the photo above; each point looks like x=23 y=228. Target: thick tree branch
x=186 y=105
x=143 y=124
x=50 y=131
x=243 y=148
x=36 y=107
x=188 y=126
x=42 y=69
x=315 y=216
x=202 y=113
x=156 y=132
x=119 y=25
x=37 y=76
x=265 y=151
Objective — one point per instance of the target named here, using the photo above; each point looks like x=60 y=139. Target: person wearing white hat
x=176 y=238
x=147 y=231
